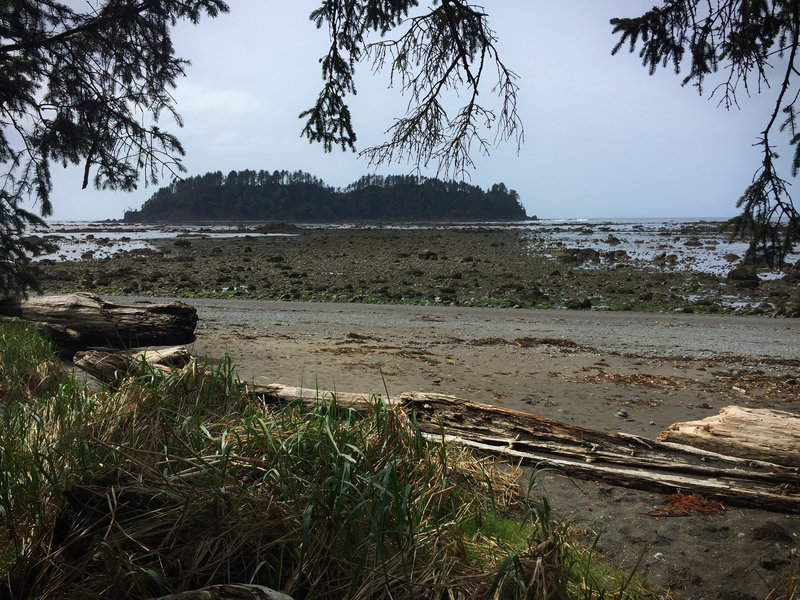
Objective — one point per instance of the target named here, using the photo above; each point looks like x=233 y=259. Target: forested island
x=298 y=196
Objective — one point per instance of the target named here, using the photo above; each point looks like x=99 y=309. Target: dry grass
x=27 y=363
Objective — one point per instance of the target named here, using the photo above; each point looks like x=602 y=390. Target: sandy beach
x=579 y=367
x=574 y=366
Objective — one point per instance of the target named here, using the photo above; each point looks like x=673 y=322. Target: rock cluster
x=471 y=267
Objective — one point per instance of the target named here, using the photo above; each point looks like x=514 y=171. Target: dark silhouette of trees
x=87 y=86
x=447 y=47
x=301 y=197
x=746 y=43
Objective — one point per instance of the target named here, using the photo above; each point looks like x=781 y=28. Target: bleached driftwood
x=110 y=366
x=80 y=321
x=616 y=458
x=231 y=591
x=762 y=434
x=171 y=356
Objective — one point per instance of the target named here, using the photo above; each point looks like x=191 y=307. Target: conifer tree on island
x=87 y=86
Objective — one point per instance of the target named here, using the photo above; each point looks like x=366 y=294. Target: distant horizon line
x=532 y=218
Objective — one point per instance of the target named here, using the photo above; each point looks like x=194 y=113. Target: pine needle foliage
x=428 y=52
x=748 y=46
x=174 y=482
x=83 y=83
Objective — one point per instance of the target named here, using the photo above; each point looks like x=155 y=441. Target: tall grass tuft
x=172 y=482
x=28 y=366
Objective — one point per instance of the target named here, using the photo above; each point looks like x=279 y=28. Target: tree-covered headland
x=298 y=196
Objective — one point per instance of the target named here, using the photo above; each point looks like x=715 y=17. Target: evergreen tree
x=74 y=85
x=300 y=197
x=744 y=43
x=449 y=46
x=73 y=82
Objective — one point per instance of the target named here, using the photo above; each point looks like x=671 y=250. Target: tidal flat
x=687 y=267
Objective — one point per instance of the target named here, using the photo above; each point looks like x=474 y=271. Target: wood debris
x=637 y=379
x=735 y=477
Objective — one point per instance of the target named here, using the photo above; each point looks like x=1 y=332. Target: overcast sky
x=602 y=138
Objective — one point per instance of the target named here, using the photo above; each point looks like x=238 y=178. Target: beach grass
x=172 y=482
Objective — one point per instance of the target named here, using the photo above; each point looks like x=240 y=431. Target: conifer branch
x=741 y=38
x=435 y=53
x=83 y=87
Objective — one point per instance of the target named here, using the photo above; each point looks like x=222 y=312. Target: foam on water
x=78 y=240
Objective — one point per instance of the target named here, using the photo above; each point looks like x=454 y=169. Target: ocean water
x=77 y=240
x=689 y=244
x=681 y=244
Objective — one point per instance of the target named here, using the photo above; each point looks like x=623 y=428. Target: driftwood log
x=79 y=321
x=770 y=435
x=109 y=367
x=767 y=482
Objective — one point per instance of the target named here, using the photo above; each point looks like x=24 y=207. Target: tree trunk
x=768 y=482
x=80 y=321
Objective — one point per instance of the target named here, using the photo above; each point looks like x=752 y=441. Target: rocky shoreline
x=476 y=266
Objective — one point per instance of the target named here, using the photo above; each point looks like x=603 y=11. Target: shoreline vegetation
x=171 y=482
x=301 y=197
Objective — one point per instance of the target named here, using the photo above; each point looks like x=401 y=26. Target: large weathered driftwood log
x=771 y=435
x=79 y=321
x=616 y=458
x=109 y=367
